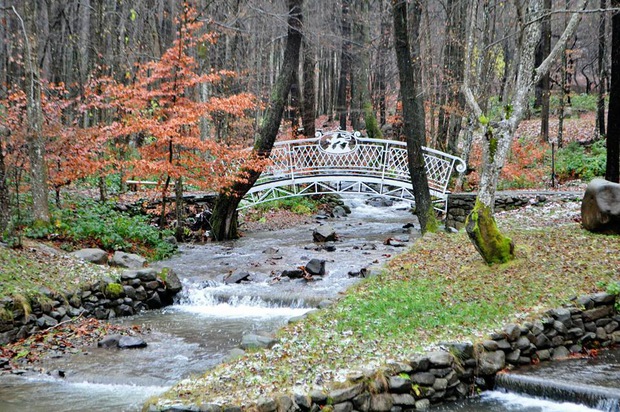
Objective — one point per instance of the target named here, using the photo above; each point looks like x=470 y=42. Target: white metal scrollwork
x=341 y=161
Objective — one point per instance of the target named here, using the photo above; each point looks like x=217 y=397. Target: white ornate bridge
x=344 y=162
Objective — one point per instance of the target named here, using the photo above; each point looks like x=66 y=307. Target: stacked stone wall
x=135 y=291
x=461 y=204
x=458 y=370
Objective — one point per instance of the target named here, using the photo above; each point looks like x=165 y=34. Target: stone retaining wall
x=137 y=290
x=458 y=371
x=461 y=204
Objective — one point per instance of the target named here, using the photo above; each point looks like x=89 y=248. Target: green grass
x=299 y=205
x=438 y=291
x=25 y=272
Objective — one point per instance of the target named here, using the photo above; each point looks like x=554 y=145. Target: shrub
x=584 y=102
x=581 y=162
x=299 y=205
x=87 y=222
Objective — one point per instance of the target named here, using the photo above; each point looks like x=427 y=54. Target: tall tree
x=345 y=65
x=602 y=70
x=413 y=111
x=545 y=82
x=308 y=108
x=34 y=135
x=452 y=103
x=612 y=170
x=481 y=226
x=224 y=218
x=5 y=200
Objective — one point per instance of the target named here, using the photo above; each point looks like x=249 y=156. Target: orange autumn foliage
x=523 y=165
x=160 y=110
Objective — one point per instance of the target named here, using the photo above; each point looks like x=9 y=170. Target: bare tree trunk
x=545 y=82
x=602 y=69
x=179 y=208
x=452 y=102
x=562 y=99
x=362 y=75
x=224 y=218
x=5 y=202
x=382 y=63
x=413 y=113
x=612 y=170
x=480 y=224
x=34 y=134
x=345 y=65
x=295 y=111
x=308 y=111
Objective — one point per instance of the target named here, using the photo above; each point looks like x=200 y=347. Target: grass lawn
x=439 y=290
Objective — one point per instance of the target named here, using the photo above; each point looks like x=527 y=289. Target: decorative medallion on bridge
x=338 y=141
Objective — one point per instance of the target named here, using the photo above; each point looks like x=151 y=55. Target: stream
x=210 y=318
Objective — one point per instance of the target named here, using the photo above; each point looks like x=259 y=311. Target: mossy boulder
x=486 y=237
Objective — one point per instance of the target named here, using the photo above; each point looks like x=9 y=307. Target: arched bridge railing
x=344 y=162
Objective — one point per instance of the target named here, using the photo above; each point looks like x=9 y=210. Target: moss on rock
x=486 y=237
x=113 y=290
x=6 y=315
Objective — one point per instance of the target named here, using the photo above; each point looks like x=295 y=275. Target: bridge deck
x=344 y=162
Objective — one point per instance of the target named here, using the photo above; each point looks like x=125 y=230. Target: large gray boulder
x=127 y=260
x=600 y=208
x=92 y=255
x=173 y=283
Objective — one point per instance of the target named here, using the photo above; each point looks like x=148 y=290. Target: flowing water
x=574 y=385
x=210 y=318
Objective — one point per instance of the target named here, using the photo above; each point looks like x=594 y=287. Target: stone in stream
x=293 y=273
x=379 y=202
x=173 y=284
x=339 y=211
x=122 y=342
x=110 y=341
x=237 y=277
x=131 y=342
x=324 y=233
x=358 y=273
x=316 y=267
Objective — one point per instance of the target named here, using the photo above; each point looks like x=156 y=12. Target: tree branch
x=470 y=99
x=545 y=66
